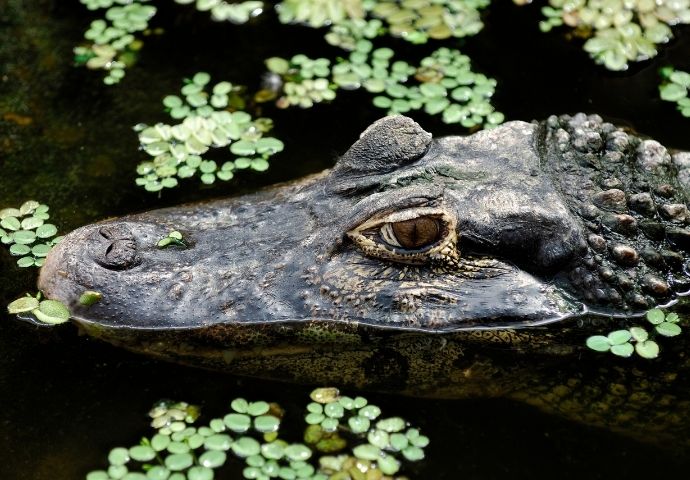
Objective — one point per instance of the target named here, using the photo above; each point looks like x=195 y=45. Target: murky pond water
x=66 y=140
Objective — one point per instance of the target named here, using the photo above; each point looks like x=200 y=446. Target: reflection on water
x=66 y=140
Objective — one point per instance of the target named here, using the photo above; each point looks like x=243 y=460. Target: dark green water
x=66 y=399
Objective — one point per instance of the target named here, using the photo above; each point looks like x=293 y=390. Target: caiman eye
x=415 y=236
x=412 y=234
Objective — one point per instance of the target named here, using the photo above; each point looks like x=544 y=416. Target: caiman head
x=521 y=225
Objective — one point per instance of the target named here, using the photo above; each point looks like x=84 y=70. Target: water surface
x=67 y=399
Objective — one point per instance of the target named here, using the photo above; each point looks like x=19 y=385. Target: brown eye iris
x=417 y=232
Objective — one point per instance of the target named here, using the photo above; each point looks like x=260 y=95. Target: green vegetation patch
x=357 y=444
x=674 y=88
x=416 y=21
x=27 y=234
x=319 y=13
x=638 y=339
x=618 y=31
x=443 y=84
x=234 y=12
x=46 y=311
x=180 y=150
x=110 y=42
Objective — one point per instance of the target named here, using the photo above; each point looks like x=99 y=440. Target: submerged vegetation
x=347 y=434
x=638 y=339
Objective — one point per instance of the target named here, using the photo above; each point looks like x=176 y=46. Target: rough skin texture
x=566 y=222
x=632 y=205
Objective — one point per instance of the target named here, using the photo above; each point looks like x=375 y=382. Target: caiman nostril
x=114 y=247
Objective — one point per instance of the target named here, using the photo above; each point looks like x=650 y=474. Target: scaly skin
x=457 y=267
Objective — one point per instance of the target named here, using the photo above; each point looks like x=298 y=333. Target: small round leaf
x=648 y=349
x=22 y=305
x=598 y=343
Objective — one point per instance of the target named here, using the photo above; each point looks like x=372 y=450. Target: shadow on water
x=66 y=399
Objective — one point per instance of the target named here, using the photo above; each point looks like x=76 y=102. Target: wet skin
x=417 y=265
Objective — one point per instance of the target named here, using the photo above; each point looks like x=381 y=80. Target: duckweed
x=638 y=339
x=110 y=41
x=417 y=21
x=173 y=238
x=181 y=450
x=44 y=311
x=347 y=33
x=674 y=88
x=443 y=84
x=27 y=235
x=234 y=12
x=205 y=123
x=618 y=31
x=319 y=13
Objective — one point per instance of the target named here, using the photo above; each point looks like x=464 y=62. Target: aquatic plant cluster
x=51 y=312
x=206 y=123
x=111 y=42
x=234 y=12
x=618 y=31
x=443 y=84
x=172 y=239
x=25 y=231
x=675 y=89
x=638 y=339
x=251 y=431
x=415 y=21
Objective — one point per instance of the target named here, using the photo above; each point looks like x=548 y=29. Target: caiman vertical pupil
x=417 y=232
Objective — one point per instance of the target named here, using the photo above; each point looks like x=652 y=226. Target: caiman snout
x=113 y=247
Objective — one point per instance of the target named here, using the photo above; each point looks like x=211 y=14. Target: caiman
x=452 y=267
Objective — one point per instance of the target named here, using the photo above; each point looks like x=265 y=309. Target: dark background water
x=66 y=140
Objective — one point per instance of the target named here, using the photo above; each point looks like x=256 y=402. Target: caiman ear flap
x=387 y=144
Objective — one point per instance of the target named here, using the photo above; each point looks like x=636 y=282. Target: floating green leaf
x=636 y=339
x=668 y=329
x=655 y=316
x=52 y=312
x=622 y=349
x=22 y=305
x=619 y=337
x=648 y=349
